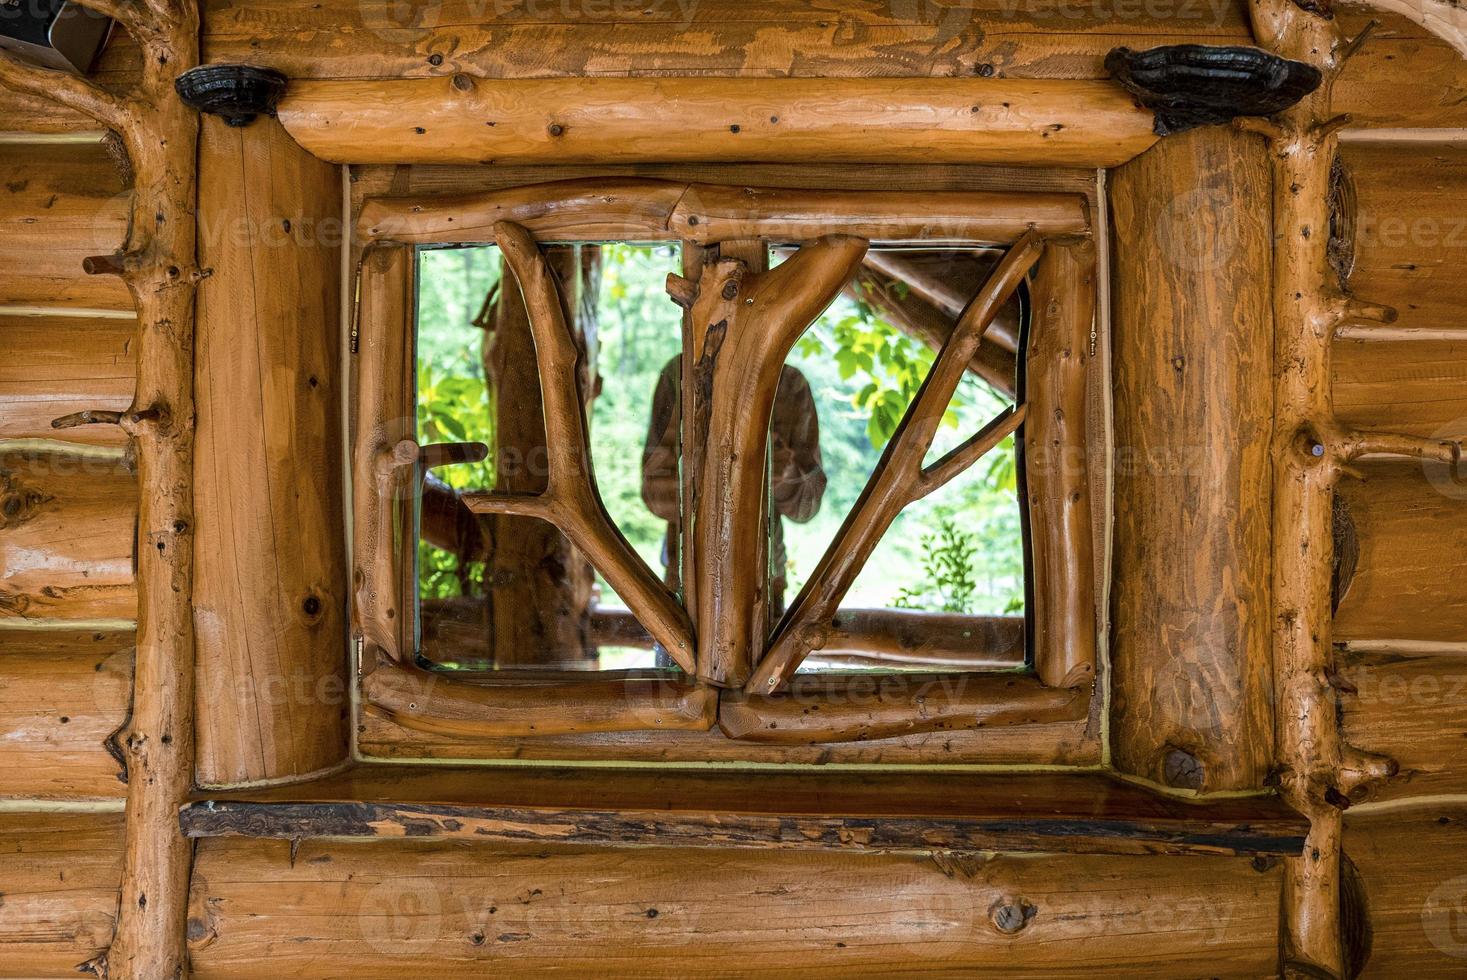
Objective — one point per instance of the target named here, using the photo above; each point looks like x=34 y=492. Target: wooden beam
x=68 y=543
x=652 y=209
x=398 y=909
x=53 y=366
x=463 y=119
x=818 y=708
x=1415 y=386
x=64 y=696
x=62 y=873
x=1192 y=325
x=272 y=637
x=1035 y=812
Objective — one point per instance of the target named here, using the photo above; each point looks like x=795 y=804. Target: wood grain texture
x=1411 y=707
x=1190 y=639
x=1409 y=864
x=67 y=537
x=270 y=588
x=397 y=909
x=58 y=205
x=1413 y=386
x=1411 y=229
x=1035 y=812
x=626 y=120
x=60 y=874
x=1411 y=524
x=62 y=697
x=54 y=366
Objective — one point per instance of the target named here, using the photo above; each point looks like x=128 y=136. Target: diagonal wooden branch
x=743 y=325
x=571 y=501
x=899 y=477
x=66 y=89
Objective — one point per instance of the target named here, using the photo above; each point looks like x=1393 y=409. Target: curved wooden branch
x=570 y=500
x=66 y=89
x=743 y=327
x=898 y=479
x=1355 y=444
x=426 y=701
x=852 y=708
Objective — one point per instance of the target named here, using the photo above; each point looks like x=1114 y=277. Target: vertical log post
x=1190 y=596
x=270 y=593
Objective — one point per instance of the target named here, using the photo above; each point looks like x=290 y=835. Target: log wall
x=52 y=366
x=270 y=587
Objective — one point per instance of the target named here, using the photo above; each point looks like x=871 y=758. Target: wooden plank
x=54 y=366
x=1411 y=230
x=59 y=873
x=457 y=909
x=60 y=705
x=271 y=633
x=58 y=205
x=1410 y=525
x=463 y=121
x=1409 y=868
x=1404 y=77
x=1413 y=386
x=1075 y=813
x=67 y=535
x=1412 y=707
x=1193 y=380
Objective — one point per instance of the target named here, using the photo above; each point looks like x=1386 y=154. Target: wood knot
x=1011 y=915
x=1181 y=770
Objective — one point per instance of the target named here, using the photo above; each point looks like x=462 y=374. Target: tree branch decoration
x=900 y=477
x=158 y=262
x=571 y=501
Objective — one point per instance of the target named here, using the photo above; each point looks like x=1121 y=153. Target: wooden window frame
x=820 y=708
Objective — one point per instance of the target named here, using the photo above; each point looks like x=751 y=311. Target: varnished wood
x=441 y=704
x=1044 y=812
x=1057 y=456
x=271 y=633
x=947 y=281
x=820 y=708
x=52 y=366
x=901 y=477
x=467 y=120
x=1192 y=327
x=1418 y=387
x=63 y=699
x=651 y=209
x=67 y=537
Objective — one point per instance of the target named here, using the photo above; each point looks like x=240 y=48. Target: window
x=661 y=546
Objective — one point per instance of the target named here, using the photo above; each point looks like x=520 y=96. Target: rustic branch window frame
x=1056 y=687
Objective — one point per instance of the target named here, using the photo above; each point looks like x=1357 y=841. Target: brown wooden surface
x=1411 y=707
x=1045 y=812
x=1192 y=326
x=626 y=120
x=1413 y=386
x=63 y=695
x=457 y=909
x=1410 y=522
x=1410 y=230
x=67 y=537
x=441 y=704
x=53 y=366
x=61 y=873
x=270 y=590
x=58 y=205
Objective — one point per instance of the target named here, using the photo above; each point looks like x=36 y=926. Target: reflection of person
x=797 y=476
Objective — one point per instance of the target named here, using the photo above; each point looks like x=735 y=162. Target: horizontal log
x=1408 y=523
x=60 y=204
x=1048 y=812
x=439 y=703
x=625 y=120
x=1412 y=708
x=60 y=874
x=1412 y=386
x=1404 y=861
x=1410 y=234
x=852 y=708
x=391 y=909
x=646 y=209
x=55 y=366
x=66 y=551
x=63 y=697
